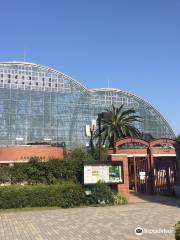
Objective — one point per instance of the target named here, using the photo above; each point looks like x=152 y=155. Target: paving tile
x=97 y=223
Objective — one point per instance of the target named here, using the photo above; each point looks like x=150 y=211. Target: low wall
x=13 y=154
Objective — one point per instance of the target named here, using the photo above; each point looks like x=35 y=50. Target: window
x=29 y=77
x=36 y=83
x=9 y=75
x=16 y=76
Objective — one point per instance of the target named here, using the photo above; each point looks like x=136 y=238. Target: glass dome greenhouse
x=38 y=103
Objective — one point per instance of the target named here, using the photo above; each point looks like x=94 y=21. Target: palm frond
x=119 y=126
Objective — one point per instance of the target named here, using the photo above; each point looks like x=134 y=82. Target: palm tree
x=119 y=125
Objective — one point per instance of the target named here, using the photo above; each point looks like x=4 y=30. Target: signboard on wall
x=142 y=175
x=108 y=173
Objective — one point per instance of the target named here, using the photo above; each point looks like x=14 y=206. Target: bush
x=51 y=172
x=60 y=195
x=64 y=170
x=4 y=174
x=78 y=154
x=17 y=173
x=119 y=199
x=95 y=153
x=100 y=194
x=177 y=232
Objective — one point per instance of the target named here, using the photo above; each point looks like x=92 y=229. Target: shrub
x=4 y=174
x=100 y=194
x=61 y=170
x=119 y=199
x=79 y=154
x=60 y=195
x=95 y=153
x=177 y=232
x=17 y=173
x=36 y=171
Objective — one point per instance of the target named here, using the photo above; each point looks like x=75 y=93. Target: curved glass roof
x=25 y=75
x=38 y=102
x=152 y=121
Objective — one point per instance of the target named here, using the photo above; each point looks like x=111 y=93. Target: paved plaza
x=92 y=223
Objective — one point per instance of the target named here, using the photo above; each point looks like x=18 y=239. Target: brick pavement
x=91 y=223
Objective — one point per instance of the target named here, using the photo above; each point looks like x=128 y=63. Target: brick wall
x=132 y=151
x=123 y=187
x=12 y=154
x=163 y=151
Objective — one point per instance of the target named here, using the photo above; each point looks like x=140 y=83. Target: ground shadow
x=167 y=200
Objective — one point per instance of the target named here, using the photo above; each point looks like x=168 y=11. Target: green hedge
x=177 y=233
x=60 y=195
x=50 y=172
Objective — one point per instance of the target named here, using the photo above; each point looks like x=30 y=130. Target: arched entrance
x=151 y=165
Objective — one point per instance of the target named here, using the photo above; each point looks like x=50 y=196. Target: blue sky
x=135 y=45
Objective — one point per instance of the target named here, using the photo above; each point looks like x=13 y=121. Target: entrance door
x=141 y=174
x=165 y=171
x=138 y=174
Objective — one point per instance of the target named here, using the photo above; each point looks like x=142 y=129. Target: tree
x=119 y=125
x=95 y=153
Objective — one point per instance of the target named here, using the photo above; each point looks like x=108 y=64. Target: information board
x=105 y=173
